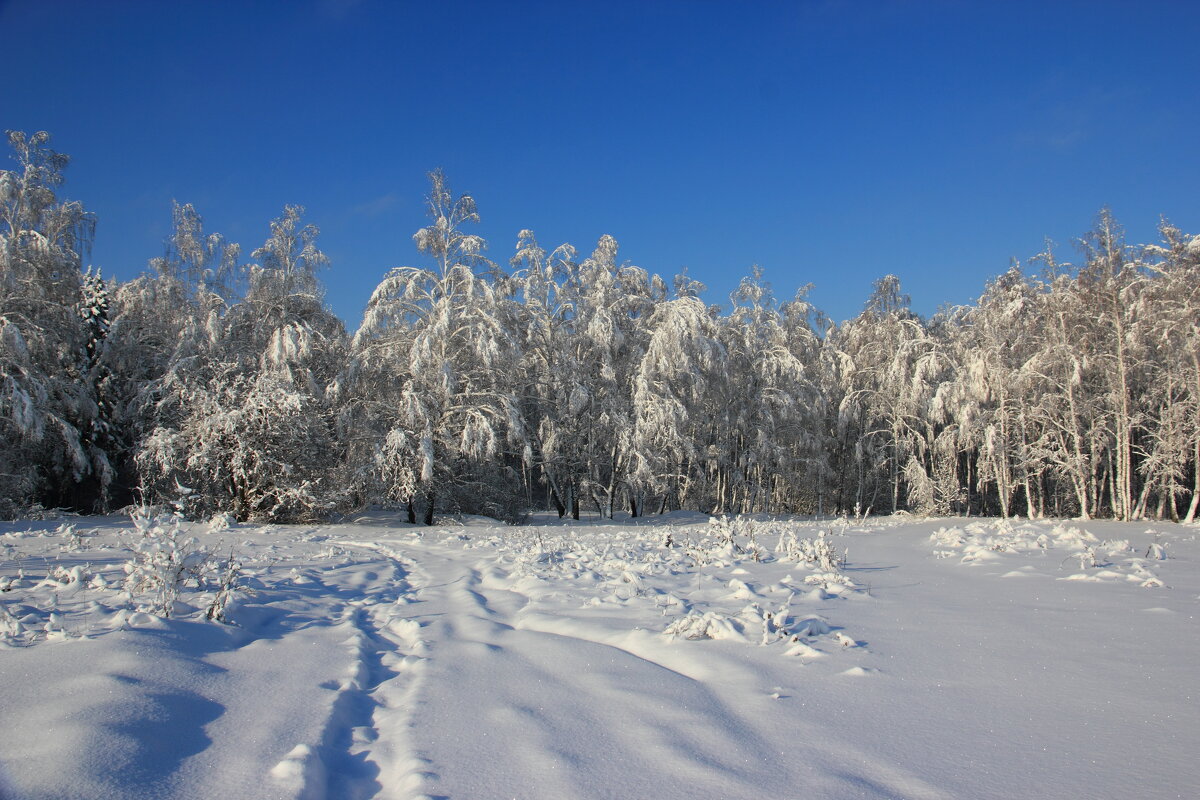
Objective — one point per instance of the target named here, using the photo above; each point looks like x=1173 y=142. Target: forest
x=562 y=381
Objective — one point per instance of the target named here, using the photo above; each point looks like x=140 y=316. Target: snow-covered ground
x=676 y=658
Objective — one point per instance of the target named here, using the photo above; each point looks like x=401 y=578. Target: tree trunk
x=1191 y=514
x=558 y=503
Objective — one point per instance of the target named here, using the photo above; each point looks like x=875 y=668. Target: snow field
x=674 y=657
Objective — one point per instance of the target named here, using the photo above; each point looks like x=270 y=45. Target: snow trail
x=566 y=708
x=553 y=713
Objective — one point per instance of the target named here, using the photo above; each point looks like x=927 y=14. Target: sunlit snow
x=675 y=658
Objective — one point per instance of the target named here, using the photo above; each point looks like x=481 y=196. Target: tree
x=1174 y=444
x=242 y=418
x=1000 y=338
x=613 y=304
x=45 y=406
x=551 y=395
x=682 y=367
x=1112 y=283
x=435 y=361
x=892 y=368
x=768 y=415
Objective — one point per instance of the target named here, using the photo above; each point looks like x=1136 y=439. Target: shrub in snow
x=737 y=536
x=707 y=625
x=834 y=582
x=1157 y=551
x=222 y=522
x=775 y=623
x=819 y=553
x=229 y=586
x=947 y=537
x=10 y=627
x=74 y=537
x=164 y=559
x=1087 y=558
x=59 y=577
x=844 y=640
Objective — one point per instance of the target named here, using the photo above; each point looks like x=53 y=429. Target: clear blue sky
x=829 y=142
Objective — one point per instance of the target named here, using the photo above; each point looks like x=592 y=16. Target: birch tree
x=241 y=418
x=684 y=363
x=613 y=304
x=552 y=395
x=1174 y=446
x=437 y=356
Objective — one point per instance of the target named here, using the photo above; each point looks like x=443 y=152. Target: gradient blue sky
x=829 y=142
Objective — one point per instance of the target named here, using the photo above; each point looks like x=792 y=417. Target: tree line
x=564 y=381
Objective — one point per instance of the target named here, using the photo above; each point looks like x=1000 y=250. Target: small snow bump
x=857 y=672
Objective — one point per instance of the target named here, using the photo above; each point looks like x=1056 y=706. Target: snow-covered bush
x=228 y=586
x=164 y=559
x=727 y=539
x=704 y=625
x=74 y=536
x=834 y=582
x=63 y=577
x=10 y=627
x=775 y=623
x=221 y=521
x=819 y=552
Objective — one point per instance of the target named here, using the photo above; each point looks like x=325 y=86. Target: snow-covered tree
x=1172 y=448
x=434 y=370
x=684 y=365
x=764 y=449
x=45 y=405
x=892 y=368
x=613 y=305
x=1112 y=284
x=992 y=412
x=242 y=422
x=551 y=394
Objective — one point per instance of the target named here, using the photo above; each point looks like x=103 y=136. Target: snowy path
x=382 y=661
x=557 y=715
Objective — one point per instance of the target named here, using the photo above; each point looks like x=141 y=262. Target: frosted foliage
x=437 y=352
x=47 y=406
x=582 y=382
x=576 y=381
x=241 y=412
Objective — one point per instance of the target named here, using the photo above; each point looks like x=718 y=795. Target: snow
x=667 y=657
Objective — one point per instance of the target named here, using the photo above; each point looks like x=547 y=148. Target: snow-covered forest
x=557 y=379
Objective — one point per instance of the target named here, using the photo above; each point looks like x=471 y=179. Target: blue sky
x=829 y=142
